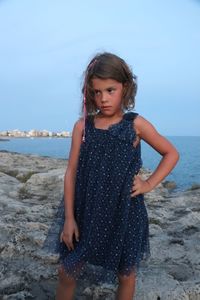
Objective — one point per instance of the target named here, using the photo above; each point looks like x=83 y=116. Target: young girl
x=105 y=218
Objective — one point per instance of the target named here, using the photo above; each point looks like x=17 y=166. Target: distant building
x=34 y=133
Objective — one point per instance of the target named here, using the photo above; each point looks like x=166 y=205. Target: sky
x=46 y=45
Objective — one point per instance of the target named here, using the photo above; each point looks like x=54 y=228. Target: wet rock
x=170 y=184
x=195 y=186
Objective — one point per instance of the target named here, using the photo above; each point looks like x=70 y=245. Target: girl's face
x=108 y=95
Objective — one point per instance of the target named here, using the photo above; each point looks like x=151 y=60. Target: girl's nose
x=103 y=98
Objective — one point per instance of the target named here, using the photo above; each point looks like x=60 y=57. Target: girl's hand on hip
x=69 y=230
x=140 y=186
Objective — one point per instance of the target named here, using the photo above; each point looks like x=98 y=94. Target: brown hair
x=109 y=66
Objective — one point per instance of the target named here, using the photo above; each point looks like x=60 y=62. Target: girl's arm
x=146 y=131
x=70 y=174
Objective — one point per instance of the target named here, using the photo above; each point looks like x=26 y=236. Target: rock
x=31 y=188
x=11 y=283
x=46 y=184
x=195 y=186
x=169 y=184
x=19 y=296
x=104 y=291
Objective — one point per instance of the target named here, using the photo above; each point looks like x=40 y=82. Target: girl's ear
x=125 y=88
x=125 y=95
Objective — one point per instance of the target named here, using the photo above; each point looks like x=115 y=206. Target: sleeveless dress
x=113 y=226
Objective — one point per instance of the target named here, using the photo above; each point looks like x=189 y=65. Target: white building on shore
x=33 y=133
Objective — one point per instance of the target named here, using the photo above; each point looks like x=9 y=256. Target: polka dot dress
x=113 y=226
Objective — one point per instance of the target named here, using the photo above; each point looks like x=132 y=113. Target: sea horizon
x=17 y=137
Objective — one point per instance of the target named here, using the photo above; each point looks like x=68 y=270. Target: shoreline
x=32 y=155
x=171 y=186
x=186 y=175
x=33 y=133
x=32 y=137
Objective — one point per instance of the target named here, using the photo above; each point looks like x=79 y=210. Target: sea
x=186 y=173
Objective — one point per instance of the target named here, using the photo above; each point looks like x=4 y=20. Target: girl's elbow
x=176 y=155
x=173 y=155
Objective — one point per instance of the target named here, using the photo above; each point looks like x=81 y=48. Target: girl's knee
x=64 y=278
x=127 y=279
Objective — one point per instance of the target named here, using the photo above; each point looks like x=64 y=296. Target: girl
x=105 y=218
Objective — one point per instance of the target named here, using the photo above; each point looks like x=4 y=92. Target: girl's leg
x=66 y=286
x=126 y=288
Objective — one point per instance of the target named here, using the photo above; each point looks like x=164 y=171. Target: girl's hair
x=108 y=66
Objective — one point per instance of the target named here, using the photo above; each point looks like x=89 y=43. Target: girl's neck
x=113 y=117
x=103 y=121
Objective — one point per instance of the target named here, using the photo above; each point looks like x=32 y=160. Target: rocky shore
x=31 y=188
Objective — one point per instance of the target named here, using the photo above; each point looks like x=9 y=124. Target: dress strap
x=89 y=120
x=130 y=116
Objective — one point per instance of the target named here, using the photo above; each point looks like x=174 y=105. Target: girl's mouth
x=106 y=107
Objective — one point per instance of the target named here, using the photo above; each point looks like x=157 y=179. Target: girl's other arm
x=170 y=156
x=70 y=174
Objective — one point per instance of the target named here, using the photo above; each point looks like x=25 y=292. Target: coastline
x=33 y=133
x=32 y=137
x=185 y=174
x=31 y=189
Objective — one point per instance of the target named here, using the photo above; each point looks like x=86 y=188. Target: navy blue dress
x=113 y=226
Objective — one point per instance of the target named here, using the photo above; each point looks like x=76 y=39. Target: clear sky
x=45 y=46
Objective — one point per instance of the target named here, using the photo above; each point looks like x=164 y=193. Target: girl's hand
x=140 y=186
x=69 y=230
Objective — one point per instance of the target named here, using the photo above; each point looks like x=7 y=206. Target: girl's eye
x=97 y=93
x=110 y=91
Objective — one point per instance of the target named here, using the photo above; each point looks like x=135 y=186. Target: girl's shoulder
x=136 y=119
x=140 y=124
x=141 y=121
x=78 y=129
x=79 y=124
x=144 y=128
